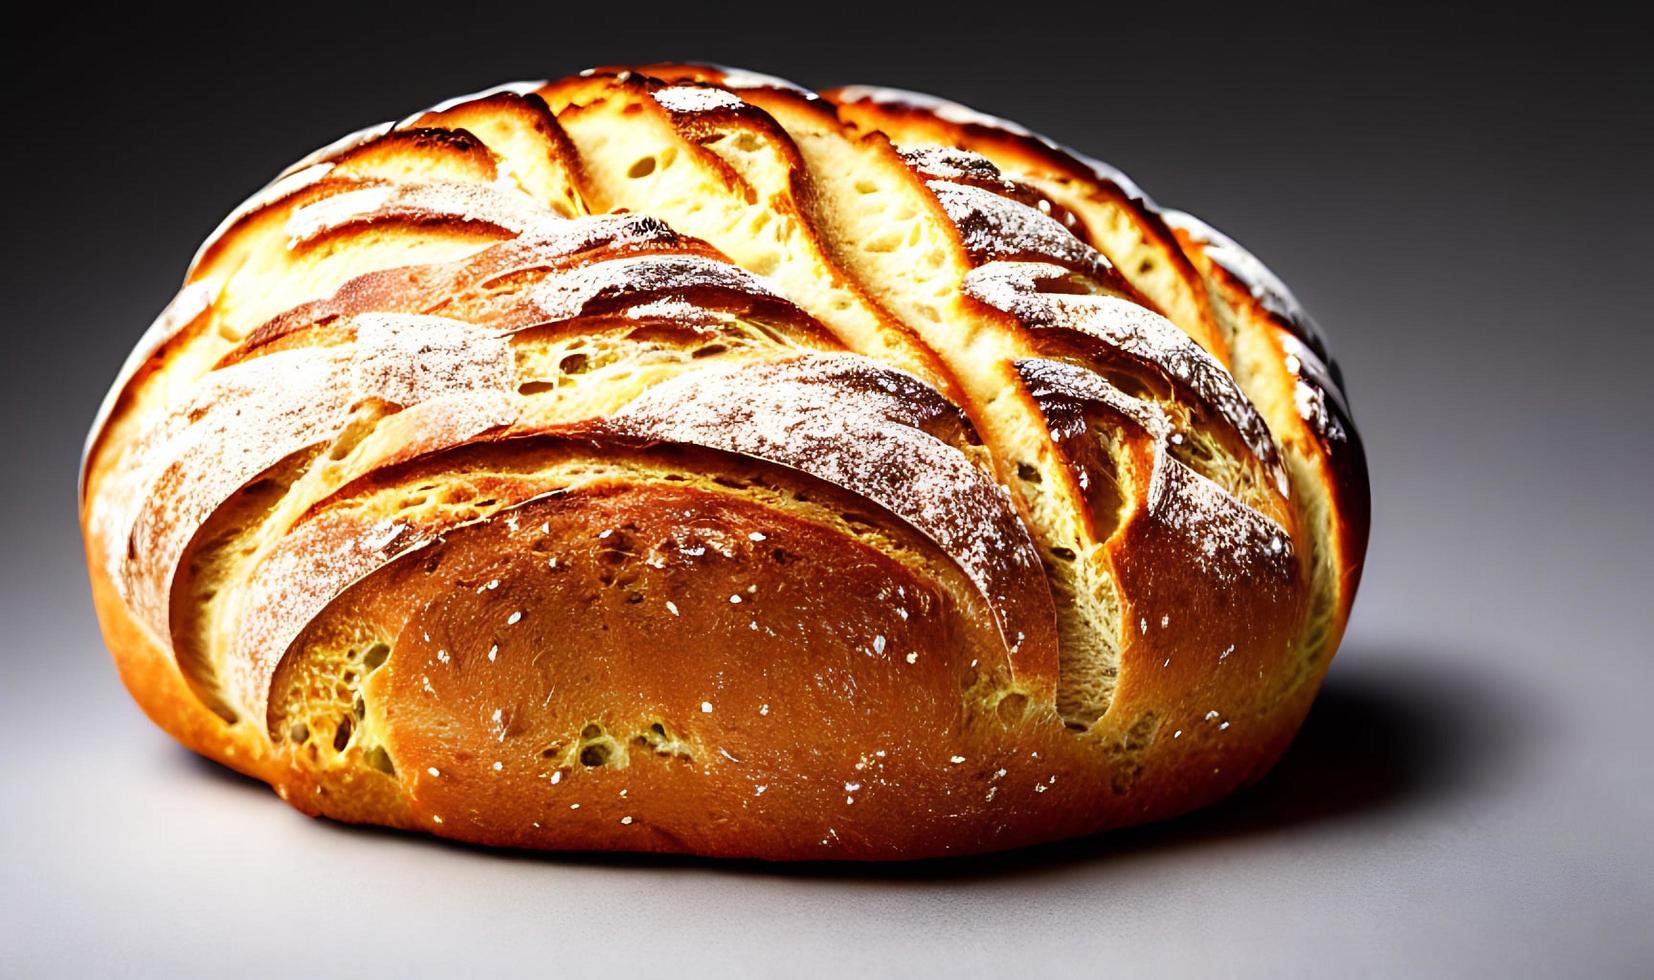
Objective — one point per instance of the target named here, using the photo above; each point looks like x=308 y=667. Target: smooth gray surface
x=1465 y=211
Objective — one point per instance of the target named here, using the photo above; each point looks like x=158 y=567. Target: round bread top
x=1097 y=414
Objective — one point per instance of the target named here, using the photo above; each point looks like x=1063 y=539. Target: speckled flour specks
x=547 y=249
x=949 y=164
x=1315 y=395
x=1139 y=333
x=405 y=359
x=243 y=420
x=355 y=380
x=1318 y=398
x=856 y=424
x=1311 y=404
x=571 y=236
x=675 y=310
x=1226 y=538
x=696 y=98
x=249 y=416
x=1001 y=218
x=309 y=220
x=996 y=227
x=569 y=293
x=314 y=564
x=1056 y=379
x=309 y=568
x=1017 y=241
x=494 y=205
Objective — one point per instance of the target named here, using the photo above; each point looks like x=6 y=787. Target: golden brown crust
x=1216 y=291
x=1310 y=412
x=1144 y=248
x=665 y=459
x=695 y=128
x=1328 y=430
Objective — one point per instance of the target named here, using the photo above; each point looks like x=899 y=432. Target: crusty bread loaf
x=668 y=458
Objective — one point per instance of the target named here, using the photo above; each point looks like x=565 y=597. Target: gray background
x=1465 y=207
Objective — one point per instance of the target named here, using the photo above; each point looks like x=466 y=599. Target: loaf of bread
x=668 y=458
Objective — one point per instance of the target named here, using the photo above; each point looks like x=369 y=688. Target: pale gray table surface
x=1473 y=794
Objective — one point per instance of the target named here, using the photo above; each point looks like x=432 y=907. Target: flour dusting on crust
x=571 y=292
x=696 y=98
x=858 y=425
x=494 y=205
x=1229 y=540
x=995 y=227
x=1226 y=538
x=1315 y=395
x=308 y=569
x=248 y=417
x=1132 y=330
